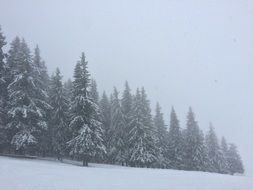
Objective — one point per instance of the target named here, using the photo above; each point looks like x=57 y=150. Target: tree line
x=45 y=116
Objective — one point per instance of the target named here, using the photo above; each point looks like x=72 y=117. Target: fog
x=185 y=53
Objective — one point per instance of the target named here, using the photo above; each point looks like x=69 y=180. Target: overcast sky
x=184 y=52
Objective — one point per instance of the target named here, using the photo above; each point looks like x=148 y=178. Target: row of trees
x=41 y=115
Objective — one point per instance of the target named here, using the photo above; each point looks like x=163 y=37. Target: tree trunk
x=85 y=161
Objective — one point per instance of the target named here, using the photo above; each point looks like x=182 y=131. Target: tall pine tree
x=224 y=149
x=117 y=131
x=162 y=137
x=59 y=115
x=174 y=152
x=87 y=132
x=26 y=116
x=235 y=164
x=106 y=119
x=41 y=79
x=195 y=150
x=216 y=158
x=143 y=151
x=127 y=105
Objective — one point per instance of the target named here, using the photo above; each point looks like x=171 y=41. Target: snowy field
x=21 y=174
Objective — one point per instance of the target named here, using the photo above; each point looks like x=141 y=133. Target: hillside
x=22 y=174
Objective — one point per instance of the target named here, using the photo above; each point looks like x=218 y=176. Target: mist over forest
x=159 y=91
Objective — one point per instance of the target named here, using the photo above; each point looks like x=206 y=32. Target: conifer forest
x=44 y=115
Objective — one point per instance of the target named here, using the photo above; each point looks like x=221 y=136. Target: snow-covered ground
x=22 y=174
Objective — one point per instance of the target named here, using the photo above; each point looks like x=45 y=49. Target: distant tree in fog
x=235 y=164
x=175 y=142
x=216 y=158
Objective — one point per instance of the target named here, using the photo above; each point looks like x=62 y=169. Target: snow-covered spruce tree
x=202 y=157
x=12 y=60
x=3 y=94
x=143 y=151
x=235 y=164
x=41 y=79
x=127 y=103
x=58 y=115
x=149 y=122
x=195 y=150
x=106 y=117
x=175 y=143
x=93 y=91
x=117 y=141
x=216 y=158
x=86 y=129
x=26 y=116
x=224 y=149
x=95 y=98
x=162 y=137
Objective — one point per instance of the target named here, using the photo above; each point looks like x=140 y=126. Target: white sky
x=184 y=52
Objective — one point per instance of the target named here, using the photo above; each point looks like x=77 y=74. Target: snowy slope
x=20 y=174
